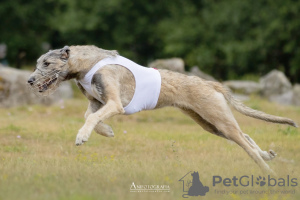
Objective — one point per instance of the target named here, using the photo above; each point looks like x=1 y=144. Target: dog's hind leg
x=216 y=111
x=233 y=133
x=203 y=123
x=252 y=152
x=249 y=145
x=264 y=154
x=104 y=130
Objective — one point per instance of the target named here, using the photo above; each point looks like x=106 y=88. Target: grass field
x=39 y=160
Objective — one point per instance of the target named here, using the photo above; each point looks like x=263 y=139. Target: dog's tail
x=240 y=107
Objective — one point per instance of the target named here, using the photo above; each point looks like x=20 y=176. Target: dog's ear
x=65 y=53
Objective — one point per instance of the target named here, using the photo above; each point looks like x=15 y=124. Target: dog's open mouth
x=46 y=84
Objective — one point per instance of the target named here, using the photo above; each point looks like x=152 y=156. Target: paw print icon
x=261 y=181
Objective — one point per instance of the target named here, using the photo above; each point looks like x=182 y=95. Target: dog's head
x=51 y=69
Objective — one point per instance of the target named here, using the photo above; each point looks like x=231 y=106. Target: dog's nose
x=31 y=80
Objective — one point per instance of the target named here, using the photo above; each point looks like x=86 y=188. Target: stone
x=275 y=83
x=195 y=71
x=173 y=64
x=291 y=97
x=296 y=95
x=241 y=97
x=283 y=99
x=244 y=87
x=3 y=50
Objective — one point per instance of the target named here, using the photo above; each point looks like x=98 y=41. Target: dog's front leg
x=110 y=109
x=100 y=128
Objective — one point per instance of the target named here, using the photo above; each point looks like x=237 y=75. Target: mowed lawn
x=39 y=159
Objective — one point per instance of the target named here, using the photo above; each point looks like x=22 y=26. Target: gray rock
x=241 y=97
x=173 y=64
x=296 y=95
x=275 y=83
x=244 y=87
x=291 y=97
x=15 y=92
x=64 y=91
x=283 y=99
x=3 y=49
x=195 y=71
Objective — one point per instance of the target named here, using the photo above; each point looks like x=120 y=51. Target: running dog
x=115 y=85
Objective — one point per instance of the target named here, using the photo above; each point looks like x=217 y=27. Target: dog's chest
x=97 y=84
x=147 y=84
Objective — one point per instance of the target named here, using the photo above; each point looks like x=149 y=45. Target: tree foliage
x=225 y=38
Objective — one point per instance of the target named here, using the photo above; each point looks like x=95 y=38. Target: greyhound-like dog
x=204 y=101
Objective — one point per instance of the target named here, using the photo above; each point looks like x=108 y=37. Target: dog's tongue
x=43 y=88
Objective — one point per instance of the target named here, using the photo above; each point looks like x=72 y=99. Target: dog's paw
x=272 y=153
x=81 y=138
x=104 y=129
x=268 y=155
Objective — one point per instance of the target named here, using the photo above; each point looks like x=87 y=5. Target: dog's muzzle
x=45 y=85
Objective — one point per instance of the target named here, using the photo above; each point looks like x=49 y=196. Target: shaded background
x=228 y=39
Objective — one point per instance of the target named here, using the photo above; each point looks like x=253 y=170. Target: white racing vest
x=147 y=83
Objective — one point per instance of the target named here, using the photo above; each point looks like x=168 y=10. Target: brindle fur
x=204 y=101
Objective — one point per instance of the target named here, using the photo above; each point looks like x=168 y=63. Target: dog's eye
x=46 y=64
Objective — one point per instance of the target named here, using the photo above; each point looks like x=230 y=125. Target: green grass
x=39 y=160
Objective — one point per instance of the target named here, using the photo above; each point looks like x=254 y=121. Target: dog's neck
x=83 y=58
x=79 y=67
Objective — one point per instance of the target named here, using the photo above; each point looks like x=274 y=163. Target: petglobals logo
x=192 y=185
x=246 y=181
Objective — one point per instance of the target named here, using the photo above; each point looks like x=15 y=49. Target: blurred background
x=229 y=39
x=251 y=46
